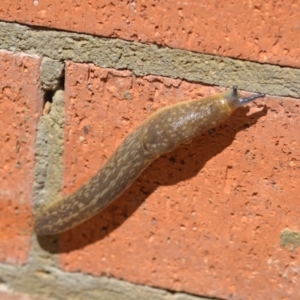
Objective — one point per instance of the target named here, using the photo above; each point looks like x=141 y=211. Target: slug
x=161 y=132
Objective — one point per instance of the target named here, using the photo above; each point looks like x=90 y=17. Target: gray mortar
x=145 y=59
x=48 y=173
x=49 y=149
x=52 y=283
x=51 y=73
x=290 y=239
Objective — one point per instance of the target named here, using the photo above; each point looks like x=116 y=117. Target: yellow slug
x=162 y=132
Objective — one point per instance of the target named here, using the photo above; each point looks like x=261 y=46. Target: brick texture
x=218 y=217
x=205 y=219
x=20 y=106
x=256 y=31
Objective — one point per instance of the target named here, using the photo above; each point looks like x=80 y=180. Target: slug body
x=160 y=133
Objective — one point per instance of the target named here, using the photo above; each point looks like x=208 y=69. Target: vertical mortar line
x=35 y=275
x=49 y=148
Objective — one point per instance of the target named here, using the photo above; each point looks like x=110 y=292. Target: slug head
x=235 y=99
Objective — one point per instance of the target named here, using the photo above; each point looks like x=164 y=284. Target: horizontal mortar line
x=78 y=283
x=44 y=28
x=146 y=59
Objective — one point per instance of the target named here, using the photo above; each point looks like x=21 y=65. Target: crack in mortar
x=145 y=59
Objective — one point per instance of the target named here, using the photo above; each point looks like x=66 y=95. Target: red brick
x=205 y=219
x=20 y=107
x=256 y=31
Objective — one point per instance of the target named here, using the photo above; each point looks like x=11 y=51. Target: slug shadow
x=183 y=163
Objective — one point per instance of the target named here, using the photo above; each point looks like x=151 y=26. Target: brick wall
x=217 y=218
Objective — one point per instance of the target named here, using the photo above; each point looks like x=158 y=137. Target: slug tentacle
x=246 y=100
x=162 y=132
x=236 y=100
x=242 y=101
